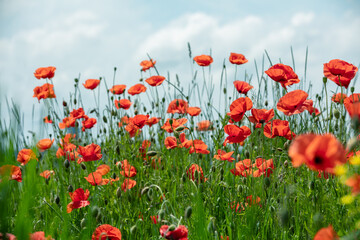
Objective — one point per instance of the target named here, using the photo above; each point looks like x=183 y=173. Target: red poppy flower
x=14 y=172
x=242 y=87
x=193 y=111
x=278 y=128
x=354 y=183
x=239 y=107
x=45 y=72
x=352 y=105
x=90 y=152
x=95 y=178
x=136 y=89
x=147 y=64
x=283 y=74
x=47 y=120
x=139 y=120
x=180 y=233
x=128 y=170
x=45 y=91
x=236 y=134
x=106 y=231
x=44 y=144
x=260 y=116
x=194 y=170
x=265 y=167
x=327 y=233
x=91 y=83
x=170 y=142
x=78 y=113
x=128 y=184
x=132 y=129
x=79 y=199
x=39 y=236
x=88 y=123
x=25 y=155
x=340 y=72
x=47 y=173
x=197 y=146
x=178 y=106
x=224 y=156
x=243 y=168
x=117 y=89
x=123 y=103
x=318 y=152
x=103 y=169
x=8 y=236
x=249 y=201
x=294 y=102
x=152 y=121
x=204 y=125
x=203 y=60
x=67 y=122
x=339 y=97
x=237 y=58
x=175 y=124
x=155 y=80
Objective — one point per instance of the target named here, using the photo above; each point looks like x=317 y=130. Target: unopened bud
x=64 y=103
x=352 y=89
x=172 y=227
x=66 y=163
x=151 y=153
x=179 y=129
x=118 y=192
x=171 y=122
x=83 y=166
x=324 y=80
x=104 y=119
x=70 y=188
x=57 y=199
x=188 y=212
x=83 y=223
x=336 y=113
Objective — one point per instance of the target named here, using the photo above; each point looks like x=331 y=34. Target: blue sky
x=91 y=37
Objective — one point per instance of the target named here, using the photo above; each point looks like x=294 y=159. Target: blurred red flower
x=175 y=124
x=90 y=152
x=224 y=156
x=39 y=236
x=47 y=173
x=14 y=172
x=67 y=122
x=339 y=97
x=193 y=111
x=88 y=123
x=152 y=121
x=318 y=152
x=204 y=125
x=44 y=144
x=327 y=233
x=194 y=170
x=45 y=72
x=128 y=184
x=123 y=103
x=47 y=120
x=340 y=72
x=294 y=102
x=352 y=105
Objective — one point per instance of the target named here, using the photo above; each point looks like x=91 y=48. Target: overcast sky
x=92 y=37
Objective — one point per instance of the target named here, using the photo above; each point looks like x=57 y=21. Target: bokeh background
x=91 y=37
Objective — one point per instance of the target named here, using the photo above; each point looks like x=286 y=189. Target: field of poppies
x=266 y=159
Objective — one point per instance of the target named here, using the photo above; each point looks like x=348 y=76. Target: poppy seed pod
x=70 y=188
x=324 y=80
x=352 y=89
x=83 y=166
x=151 y=153
x=188 y=212
x=336 y=113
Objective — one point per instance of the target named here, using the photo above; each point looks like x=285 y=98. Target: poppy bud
x=76 y=80
x=104 y=132
x=312 y=185
x=239 y=189
x=183 y=177
x=163 y=99
x=113 y=176
x=70 y=188
x=286 y=163
x=149 y=194
x=66 y=163
x=336 y=113
x=188 y=212
x=247 y=154
x=266 y=182
x=179 y=129
x=118 y=192
x=172 y=227
x=83 y=223
x=171 y=122
x=57 y=199
x=98 y=218
x=75 y=102
x=266 y=103
x=47 y=180
x=64 y=103
x=319 y=97
x=104 y=119
x=286 y=144
x=83 y=166
x=224 y=90
x=136 y=112
x=336 y=127
x=106 y=201
x=324 y=80
x=151 y=153
x=352 y=89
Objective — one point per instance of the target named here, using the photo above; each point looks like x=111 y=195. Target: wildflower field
x=257 y=156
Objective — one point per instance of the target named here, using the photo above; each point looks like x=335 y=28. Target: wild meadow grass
x=283 y=202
